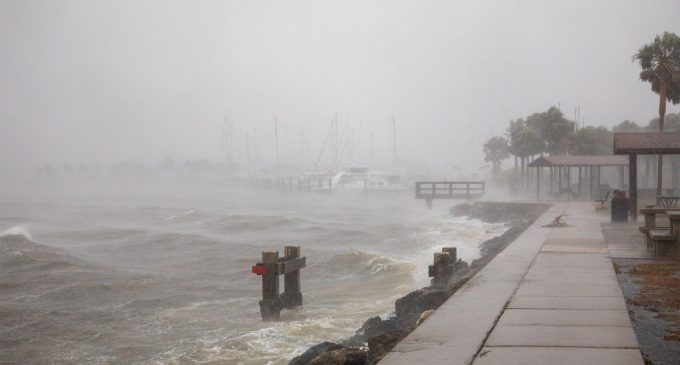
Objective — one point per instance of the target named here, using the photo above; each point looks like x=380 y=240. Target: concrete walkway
x=551 y=297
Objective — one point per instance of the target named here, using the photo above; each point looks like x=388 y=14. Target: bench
x=663 y=240
x=603 y=200
x=668 y=202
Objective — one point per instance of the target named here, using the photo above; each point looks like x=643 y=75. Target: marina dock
x=551 y=297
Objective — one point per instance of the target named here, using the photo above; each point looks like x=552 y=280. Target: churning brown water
x=163 y=276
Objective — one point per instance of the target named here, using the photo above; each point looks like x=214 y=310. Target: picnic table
x=651 y=213
x=658 y=237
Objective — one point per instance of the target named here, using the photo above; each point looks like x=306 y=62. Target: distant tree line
x=550 y=133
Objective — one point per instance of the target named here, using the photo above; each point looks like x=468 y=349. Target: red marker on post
x=259 y=269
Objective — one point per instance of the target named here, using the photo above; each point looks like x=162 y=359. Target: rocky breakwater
x=377 y=336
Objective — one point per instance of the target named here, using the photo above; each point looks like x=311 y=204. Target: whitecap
x=17 y=231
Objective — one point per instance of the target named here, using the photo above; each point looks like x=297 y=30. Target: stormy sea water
x=163 y=275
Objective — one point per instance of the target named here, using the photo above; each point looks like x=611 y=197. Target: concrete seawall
x=551 y=297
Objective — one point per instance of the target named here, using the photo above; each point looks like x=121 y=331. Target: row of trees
x=550 y=133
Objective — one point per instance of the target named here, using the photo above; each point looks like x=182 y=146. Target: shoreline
x=377 y=336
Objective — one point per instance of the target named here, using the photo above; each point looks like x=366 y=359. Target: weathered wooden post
x=270 y=305
x=270 y=268
x=292 y=296
x=441 y=269
x=453 y=254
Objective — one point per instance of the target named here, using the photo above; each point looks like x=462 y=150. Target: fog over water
x=114 y=81
x=139 y=145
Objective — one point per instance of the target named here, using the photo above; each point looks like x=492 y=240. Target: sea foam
x=17 y=231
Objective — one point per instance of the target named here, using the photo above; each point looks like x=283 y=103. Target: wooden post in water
x=441 y=269
x=270 y=305
x=292 y=296
x=453 y=254
x=270 y=268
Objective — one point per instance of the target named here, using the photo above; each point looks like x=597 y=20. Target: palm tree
x=495 y=151
x=660 y=64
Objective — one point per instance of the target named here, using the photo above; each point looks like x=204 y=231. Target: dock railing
x=430 y=190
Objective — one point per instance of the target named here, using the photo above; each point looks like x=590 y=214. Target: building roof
x=574 y=161
x=647 y=143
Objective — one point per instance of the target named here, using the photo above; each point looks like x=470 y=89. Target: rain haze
x=153 y=155
x=115 y=81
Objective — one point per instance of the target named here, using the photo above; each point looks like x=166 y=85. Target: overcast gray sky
x=138 y=80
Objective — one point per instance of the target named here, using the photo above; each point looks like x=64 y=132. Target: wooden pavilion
x=562 y=165
x=643 y=143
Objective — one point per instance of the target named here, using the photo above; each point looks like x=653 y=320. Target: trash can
x=620 y=207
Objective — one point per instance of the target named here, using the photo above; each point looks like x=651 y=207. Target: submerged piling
x=442 y=268
x=270 y=268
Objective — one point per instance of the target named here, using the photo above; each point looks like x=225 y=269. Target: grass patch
x=660 y=293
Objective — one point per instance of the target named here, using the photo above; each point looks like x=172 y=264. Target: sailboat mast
x=248 y=152
x=394 y=139
x=231 y=141
x=276 y=137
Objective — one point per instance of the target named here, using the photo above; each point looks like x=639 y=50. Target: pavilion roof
x=647 y=143
x=575 y=161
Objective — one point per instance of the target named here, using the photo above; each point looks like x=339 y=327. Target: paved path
x=551 y=297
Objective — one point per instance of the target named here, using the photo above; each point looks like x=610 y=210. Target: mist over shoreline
x=108 y=82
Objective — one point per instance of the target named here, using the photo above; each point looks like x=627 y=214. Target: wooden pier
x=430 y=190
x=286 y=184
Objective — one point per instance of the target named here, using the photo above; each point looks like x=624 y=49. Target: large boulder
x=409 y=307
x=313 y=352
x=379 y=345
x=342 y=356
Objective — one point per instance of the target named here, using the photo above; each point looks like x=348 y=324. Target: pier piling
x=270 y=268
x=453 y=253
x=292 y=296
x=441 y=269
